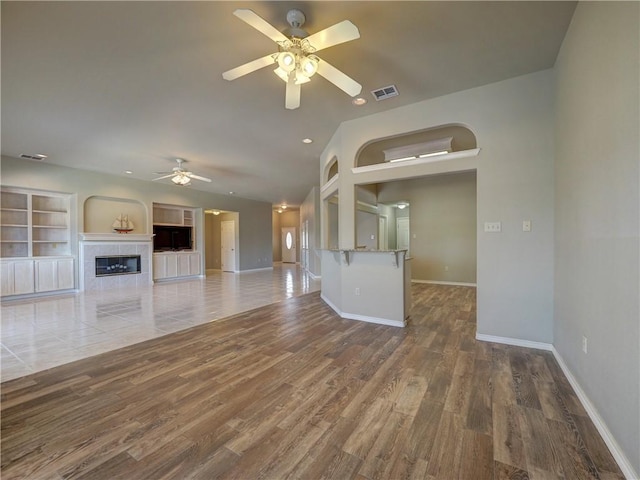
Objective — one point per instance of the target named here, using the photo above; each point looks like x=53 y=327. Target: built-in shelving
x=176 y=264
x=35 y=242
x=172 y=215
x=33 y=224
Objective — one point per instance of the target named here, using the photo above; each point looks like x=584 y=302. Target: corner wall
x=597 y=248
x=513 y=124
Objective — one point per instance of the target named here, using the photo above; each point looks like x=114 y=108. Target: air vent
x=385 y=92
x=38 y=156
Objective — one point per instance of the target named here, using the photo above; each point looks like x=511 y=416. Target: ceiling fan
x=295 y=59
x=181 y=176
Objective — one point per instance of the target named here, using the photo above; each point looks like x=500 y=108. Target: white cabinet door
x=172 y=266
x=23 y=282
x=179 y=264
x=46 y=275
x=65 y=274
x=54 y=274
x=194 y=264
x=16 y=278
x=159 y=266
x=183 y=264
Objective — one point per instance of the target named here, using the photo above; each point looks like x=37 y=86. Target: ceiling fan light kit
x=180 y=176
x=296 y=60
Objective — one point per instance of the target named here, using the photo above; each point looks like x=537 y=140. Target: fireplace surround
x=105 y=260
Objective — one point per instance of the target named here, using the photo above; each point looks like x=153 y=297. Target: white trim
x=601 y=426
x=619 y=456
x=313 y=276
x=418 y=161
x=363 y=318
x=514 y=341
x=438 y=282
x=116 y=237
x=332 y=182
x=253 y=270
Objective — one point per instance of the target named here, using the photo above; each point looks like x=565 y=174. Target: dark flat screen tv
x=168 y=238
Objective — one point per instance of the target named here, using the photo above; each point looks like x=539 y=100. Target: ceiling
x=115 y=86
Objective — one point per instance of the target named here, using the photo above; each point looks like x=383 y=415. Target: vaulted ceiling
x=116 y=86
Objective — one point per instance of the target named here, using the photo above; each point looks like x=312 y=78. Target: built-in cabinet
x=35 y=242
x=185 y=263
x=172 y=215
x=176 y=264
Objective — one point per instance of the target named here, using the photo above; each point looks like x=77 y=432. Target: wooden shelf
x=34 y=224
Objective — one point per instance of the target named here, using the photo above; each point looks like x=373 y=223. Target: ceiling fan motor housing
x=295 y=18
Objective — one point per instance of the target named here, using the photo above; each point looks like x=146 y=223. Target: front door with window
x=289 y=245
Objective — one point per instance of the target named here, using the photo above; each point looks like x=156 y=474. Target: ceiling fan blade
x=260 y=24
x=344 y=31
x=339 y=79
x=248 y=67
x=166 y=176
x=292 y=95
x=198 y=177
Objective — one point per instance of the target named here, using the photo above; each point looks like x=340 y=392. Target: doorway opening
x=221 y=240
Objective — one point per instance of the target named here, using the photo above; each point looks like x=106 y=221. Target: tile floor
x=41 y=333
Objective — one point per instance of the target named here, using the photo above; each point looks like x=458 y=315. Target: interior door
x=228 y=245
x=402 y=230
x=289 y=247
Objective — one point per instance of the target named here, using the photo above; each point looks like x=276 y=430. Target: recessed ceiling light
x=359 y=101
x=232 y=193
x=283 y=206
x=307 y=140
x=128 y=172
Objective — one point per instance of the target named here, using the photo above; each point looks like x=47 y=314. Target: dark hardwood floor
x=293 y=391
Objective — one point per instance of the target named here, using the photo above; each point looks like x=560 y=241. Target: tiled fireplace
x=115 y=260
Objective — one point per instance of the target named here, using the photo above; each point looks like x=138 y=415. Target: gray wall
x=597 y=213
x=513 y=121
x=254 y=216
x=443 y=225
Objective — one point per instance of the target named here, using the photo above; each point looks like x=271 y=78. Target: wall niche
x=101 y=212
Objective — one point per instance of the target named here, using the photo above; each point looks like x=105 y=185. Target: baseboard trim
x=437 y=282
x=363 y=318
x=516 y=342
x=601 y=426
x=254 y=270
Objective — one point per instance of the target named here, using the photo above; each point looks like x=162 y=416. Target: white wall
x=597 y=286
x=513 y=124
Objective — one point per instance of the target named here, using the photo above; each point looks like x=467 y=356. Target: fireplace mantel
x=116 y=237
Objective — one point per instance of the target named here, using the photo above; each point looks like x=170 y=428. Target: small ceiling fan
x=295 y=59
x=181 y=176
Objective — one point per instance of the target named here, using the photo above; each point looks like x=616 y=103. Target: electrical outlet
x=446 y=268
x=584 y=344
x=493 y=227
x=526 y=225
x=357 y=291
